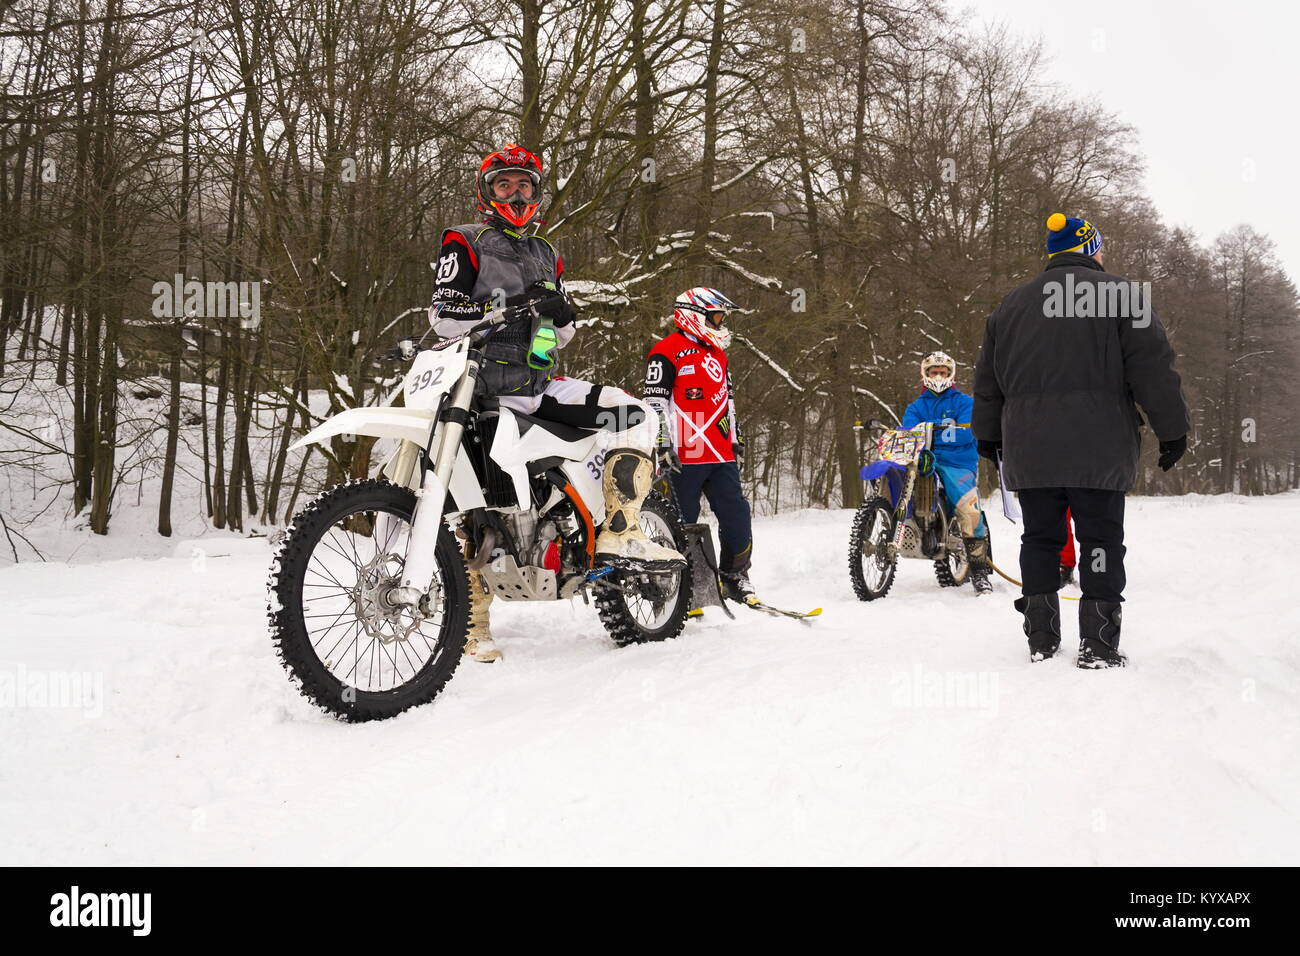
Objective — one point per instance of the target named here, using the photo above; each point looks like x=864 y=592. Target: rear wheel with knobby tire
x=642 y=607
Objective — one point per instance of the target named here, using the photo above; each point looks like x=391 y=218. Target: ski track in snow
x=761 y=740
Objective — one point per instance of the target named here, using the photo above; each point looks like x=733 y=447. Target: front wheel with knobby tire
x=352 y=650
x=643 y=607
x=870 y=568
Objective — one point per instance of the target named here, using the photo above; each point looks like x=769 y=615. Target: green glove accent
x=545 y=342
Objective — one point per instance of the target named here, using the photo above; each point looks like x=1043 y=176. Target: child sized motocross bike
x=904 y=515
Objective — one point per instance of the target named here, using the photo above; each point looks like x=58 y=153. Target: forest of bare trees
x=866 y=178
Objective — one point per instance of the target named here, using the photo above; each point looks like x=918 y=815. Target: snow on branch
x=766 y=282
x=859 y=390
x=739 y=176
x=768 y=359
x=927 y=315
x=587 y=292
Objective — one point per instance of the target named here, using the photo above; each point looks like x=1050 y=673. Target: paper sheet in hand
x=1010 y=504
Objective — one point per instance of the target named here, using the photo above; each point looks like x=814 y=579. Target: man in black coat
x=1065 y=358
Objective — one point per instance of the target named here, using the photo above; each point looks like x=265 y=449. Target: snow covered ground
x=910 y=731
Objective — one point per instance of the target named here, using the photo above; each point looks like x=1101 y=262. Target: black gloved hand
x=1171 y=451
x=558 y=309
x=989 y=449
x=549 y=302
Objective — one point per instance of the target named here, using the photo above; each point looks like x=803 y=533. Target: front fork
x=422 y=546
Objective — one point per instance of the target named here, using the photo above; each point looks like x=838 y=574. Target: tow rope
x=1020 y=584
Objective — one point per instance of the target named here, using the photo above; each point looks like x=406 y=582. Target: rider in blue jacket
x=955 y=456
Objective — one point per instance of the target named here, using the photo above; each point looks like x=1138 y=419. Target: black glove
x=551 y=303
x=665 y=454
x=1171 y=451
x=989 y=449
x=558 y=309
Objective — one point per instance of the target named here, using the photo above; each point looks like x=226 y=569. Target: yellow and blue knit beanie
x=1067 y=234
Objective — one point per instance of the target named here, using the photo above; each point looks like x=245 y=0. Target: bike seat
x=563 y=432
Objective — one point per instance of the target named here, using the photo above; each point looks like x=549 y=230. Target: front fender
x=411 y=424
x=877 y=468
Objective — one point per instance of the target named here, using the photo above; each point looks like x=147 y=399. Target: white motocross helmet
x=938 y=360
x=691 y=312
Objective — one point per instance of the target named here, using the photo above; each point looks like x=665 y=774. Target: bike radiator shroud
x=498 y=489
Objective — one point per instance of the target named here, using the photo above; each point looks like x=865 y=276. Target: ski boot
x=736 y=586
x=1099 y=625
x=1042 y=624
x=479 y=645
x=977 y=553
x=622 y=543
x=1067 y=574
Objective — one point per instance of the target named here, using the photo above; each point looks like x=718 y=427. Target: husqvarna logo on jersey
x=448 y=267
x=713 y=367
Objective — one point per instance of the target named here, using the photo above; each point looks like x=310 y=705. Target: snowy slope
x=912 y=730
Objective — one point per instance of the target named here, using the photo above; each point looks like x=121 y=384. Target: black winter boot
x=1042 y=624
x=1099 y=626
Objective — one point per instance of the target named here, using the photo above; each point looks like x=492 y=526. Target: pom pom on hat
x=1067 y=234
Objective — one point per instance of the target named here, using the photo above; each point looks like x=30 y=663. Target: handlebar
x=408 y=348
x=493 y=319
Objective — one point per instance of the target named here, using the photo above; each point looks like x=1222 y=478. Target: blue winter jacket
x=954 y=447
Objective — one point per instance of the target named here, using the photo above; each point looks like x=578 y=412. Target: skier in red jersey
x=688 y=384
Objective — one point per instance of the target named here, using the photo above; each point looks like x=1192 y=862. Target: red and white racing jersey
x=687 y=382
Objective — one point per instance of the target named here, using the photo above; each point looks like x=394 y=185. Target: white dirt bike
x=369 y=595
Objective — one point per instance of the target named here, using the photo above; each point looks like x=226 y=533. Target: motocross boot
x=735 y=585
x=479 y=645
x=977 y=553
x=628 y=476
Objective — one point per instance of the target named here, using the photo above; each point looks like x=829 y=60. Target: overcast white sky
x=1212 y=88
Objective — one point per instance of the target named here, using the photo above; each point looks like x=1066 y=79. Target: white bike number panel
x=432 y=375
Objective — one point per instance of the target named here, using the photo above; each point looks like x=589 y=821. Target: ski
x=797 y=615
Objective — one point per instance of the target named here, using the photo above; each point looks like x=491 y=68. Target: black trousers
x=720 y=483
x=1098 y=528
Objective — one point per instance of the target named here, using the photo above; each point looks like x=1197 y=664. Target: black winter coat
x=1059 y=392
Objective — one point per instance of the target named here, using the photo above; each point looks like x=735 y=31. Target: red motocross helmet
x=518 y=209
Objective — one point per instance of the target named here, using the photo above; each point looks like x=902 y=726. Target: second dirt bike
x=369 y=599
x=904 y=516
